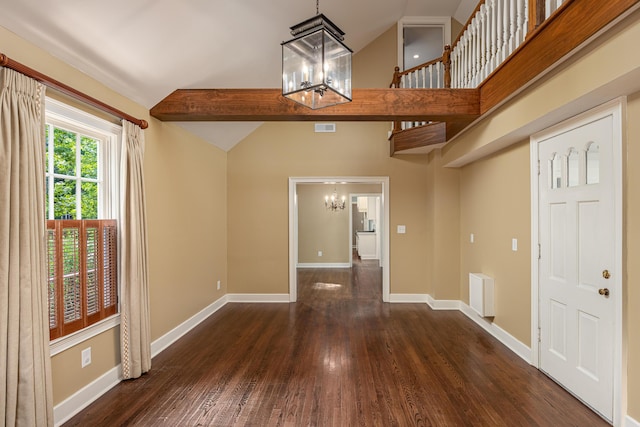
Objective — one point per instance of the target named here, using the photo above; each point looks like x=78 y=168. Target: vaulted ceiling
x=145 y=49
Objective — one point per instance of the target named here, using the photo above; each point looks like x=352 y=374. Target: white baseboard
x=258 y=298
x=630 y=422
x=82 y=398
x=443 y=304
x=408 y=298
x=323 y=265
x=63 y=411
x=500 y=334
x=176 y=333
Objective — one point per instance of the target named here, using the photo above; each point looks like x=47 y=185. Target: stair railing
x=434 y=74
x=494 y=30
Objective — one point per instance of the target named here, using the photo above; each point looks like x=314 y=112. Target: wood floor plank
x=338 y=357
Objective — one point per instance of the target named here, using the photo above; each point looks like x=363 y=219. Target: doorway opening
x=382 y=225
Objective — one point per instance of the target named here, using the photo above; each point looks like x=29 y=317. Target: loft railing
x=434 y=74
x=492 y=33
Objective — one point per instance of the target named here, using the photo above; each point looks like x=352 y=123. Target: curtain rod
x=5 y=61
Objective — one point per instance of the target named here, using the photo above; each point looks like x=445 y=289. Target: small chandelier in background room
x=316 y=65
x=335 y=203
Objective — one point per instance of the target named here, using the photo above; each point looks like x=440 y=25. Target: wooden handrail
x=466 y=25
x=5 y=61
x=445 y=59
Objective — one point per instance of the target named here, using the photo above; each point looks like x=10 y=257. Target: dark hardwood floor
x=338 y=357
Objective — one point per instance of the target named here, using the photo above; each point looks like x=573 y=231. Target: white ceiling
x=145 y=49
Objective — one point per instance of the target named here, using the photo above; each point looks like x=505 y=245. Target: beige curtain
x=135 y=336
x=25 y=365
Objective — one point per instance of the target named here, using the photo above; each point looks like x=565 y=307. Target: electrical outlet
x=514 y=245
x=86 y=357
x=319 y=253
x=218 y=284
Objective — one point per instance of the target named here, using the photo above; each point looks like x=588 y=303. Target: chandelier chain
x=317 y=7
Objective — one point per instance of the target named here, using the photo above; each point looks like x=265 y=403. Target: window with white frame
x=82 y=156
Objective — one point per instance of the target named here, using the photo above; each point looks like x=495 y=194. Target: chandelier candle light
x=316 y=65
x=334 y=203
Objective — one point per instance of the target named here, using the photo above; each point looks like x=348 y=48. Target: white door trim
x=616 y=109
x=293 y=226
x=422 y=21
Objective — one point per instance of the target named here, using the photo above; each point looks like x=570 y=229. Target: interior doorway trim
x=443 y=22
x=616 y=109
x=293 y=225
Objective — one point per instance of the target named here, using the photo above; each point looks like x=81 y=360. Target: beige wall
x=186 y=206
x=444 y=237
x=322 y=230
x=258 y=172
x=495 y=206
x=259 y=168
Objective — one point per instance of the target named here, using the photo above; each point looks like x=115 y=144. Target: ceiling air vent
x=325 y=127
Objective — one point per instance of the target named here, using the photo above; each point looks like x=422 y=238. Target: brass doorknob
x=604 y=292
x=606 y=274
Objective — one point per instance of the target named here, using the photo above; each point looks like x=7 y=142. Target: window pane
x=46 y=197
x=89 y=157
x=64 y=152
x=89 y=200
x=556 y=171
x=64 y=199
x=593 y=164
x=46 y=142
x=573 y=169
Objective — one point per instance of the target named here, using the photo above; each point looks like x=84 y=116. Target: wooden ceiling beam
x=370 y=105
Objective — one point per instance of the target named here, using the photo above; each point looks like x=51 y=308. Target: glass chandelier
x=335 y=203
x=316 y=65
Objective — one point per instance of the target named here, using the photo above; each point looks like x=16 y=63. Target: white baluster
x=512 y=25
x=525 y=20
x=505 y=29
x=520 y=31
x=472 y=53
x=404 y=82
x=455 y=66
x=493 y=36
x=424 y=77
x=497 y=8
x=482 y=21
x=477 y=52
x=464 y=69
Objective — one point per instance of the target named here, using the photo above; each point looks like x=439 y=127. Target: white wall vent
x=481 y=294
x=325 y=127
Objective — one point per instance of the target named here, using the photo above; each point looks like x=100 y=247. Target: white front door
x=577 y=266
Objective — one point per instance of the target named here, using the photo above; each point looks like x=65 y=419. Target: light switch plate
x=514 y=245
x=472 y=238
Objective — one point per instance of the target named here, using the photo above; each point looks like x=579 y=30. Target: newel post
x=536 y=15
x=395 y=83
x=446 y=61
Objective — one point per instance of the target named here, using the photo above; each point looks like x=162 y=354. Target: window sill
x=61 y=344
